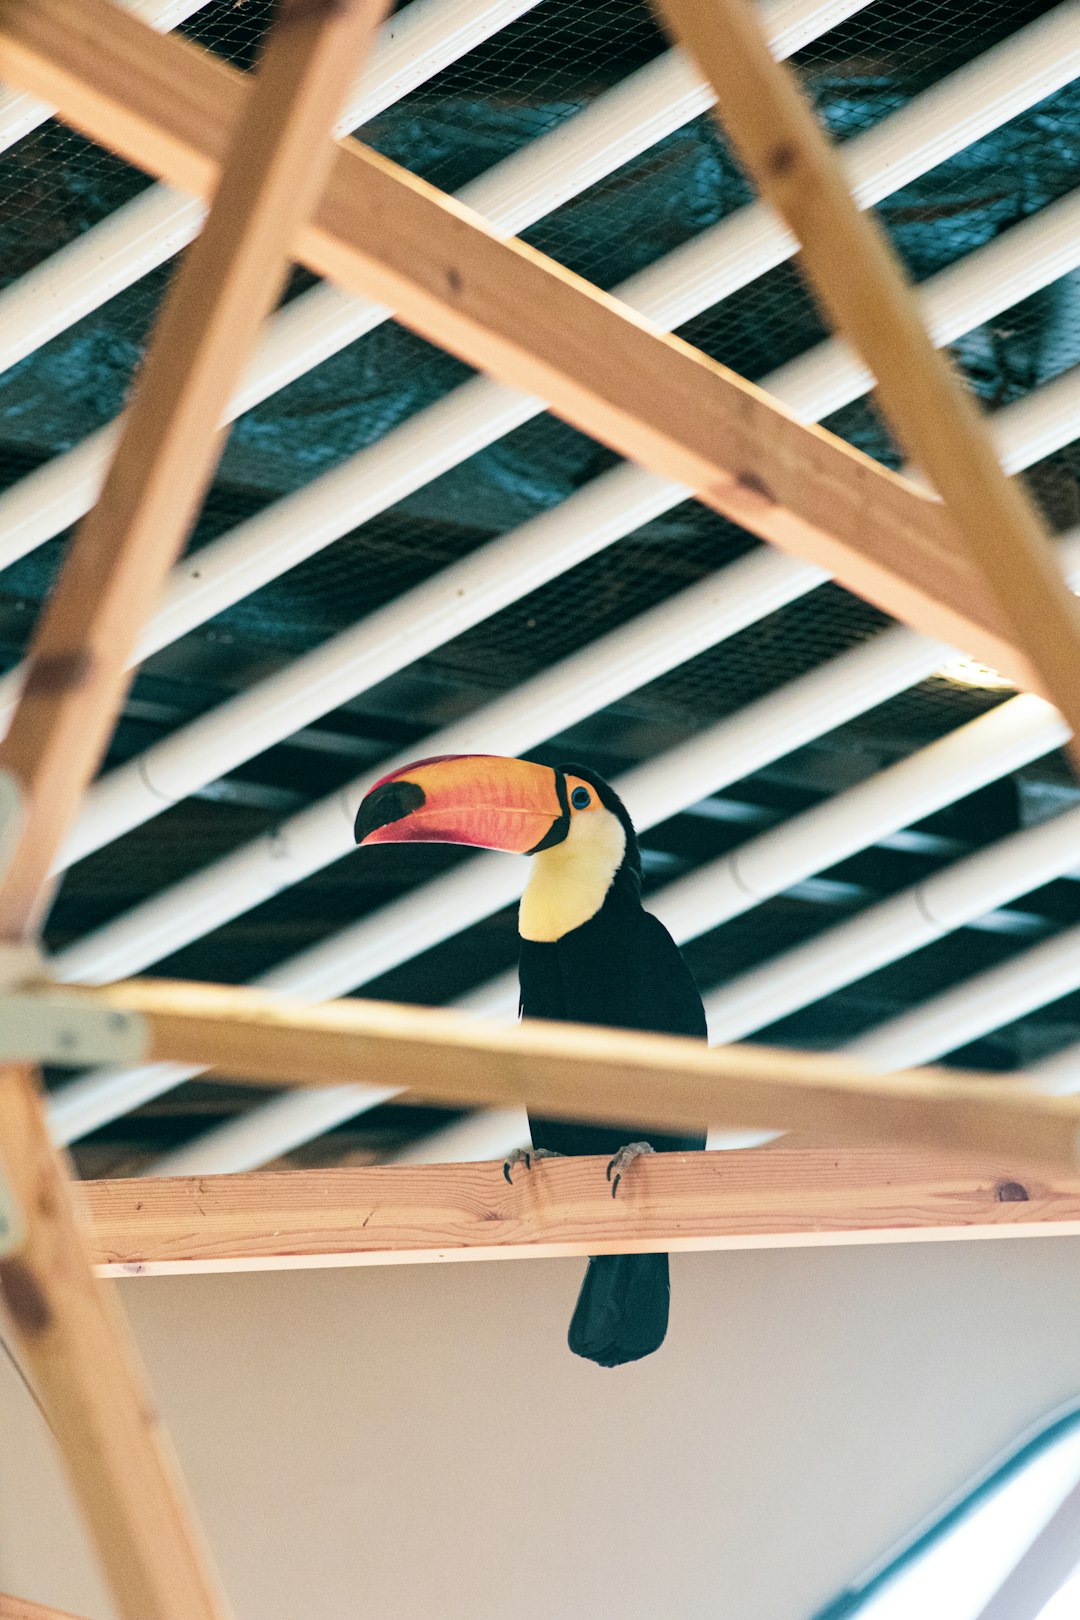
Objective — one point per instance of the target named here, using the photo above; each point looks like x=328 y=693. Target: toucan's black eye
x=580 y=798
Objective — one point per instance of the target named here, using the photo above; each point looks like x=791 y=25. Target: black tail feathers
x=622 y=1310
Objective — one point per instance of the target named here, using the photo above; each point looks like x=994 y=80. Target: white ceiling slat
x=898 y=926
x=979 y=1005
x=489 y=1133
x=1040 y=424
x=983 y=751
x=20 y=113
x=506 y=570
x=947 y=118
x=412 y=46
x=619 y=125
x=955 y=301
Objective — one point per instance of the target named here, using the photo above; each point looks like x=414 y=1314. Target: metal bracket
x=11 y=820
x=50 y=1026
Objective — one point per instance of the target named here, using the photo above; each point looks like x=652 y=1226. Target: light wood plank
x=403 y=1214
x=72 y=1339
x=863 y=289
x=578 y=1071
x=13 y=1608
x=506 y=309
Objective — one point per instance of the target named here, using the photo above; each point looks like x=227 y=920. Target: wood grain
x=392 y=1215
x=859 y=281
x=506 y=309
x=660 y=1080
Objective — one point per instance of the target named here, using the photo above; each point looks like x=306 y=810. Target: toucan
x=589 y=953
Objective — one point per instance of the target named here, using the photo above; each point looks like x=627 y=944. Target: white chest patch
x=568 y=883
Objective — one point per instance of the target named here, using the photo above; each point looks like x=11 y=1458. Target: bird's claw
x=623 y=1159
x=519 y=1156
x=526 y=1156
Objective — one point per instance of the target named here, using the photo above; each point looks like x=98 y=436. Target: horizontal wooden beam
x=169 y=107
x=777 y=1197
x=577 y=1071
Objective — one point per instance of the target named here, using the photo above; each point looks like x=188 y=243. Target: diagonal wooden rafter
x=170 y=446
x=858 y=279
x=71 y=1335
x=780 y=1197
x=380 y=231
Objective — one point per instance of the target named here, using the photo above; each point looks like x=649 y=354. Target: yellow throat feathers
x=568 y=883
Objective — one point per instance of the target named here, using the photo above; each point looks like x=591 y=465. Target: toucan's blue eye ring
x=580 y=798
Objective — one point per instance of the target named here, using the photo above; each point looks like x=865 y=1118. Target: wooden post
x=857 y=278
x=71 y=1336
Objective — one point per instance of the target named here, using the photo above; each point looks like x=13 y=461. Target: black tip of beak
x=393 y=801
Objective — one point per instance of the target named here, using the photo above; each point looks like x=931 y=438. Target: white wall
x=416 y=1443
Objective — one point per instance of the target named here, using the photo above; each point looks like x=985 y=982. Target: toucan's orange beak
x=479 y=799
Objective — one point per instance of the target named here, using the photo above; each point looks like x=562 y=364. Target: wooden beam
x=859 y=281
x=578 y=1071
x=13 y=1608
x=400 y=1214
x=71 y=1336
x=506 y=309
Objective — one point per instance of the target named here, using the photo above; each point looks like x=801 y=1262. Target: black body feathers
x=621 y=969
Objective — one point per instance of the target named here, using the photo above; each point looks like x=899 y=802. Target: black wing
x=622 y=969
